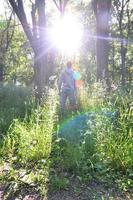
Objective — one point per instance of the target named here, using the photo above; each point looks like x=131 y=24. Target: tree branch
x=94 y=6
x=64 y=5
x=34 y=22
x=41 y=20
x=9 y=36
x=126 y=3
x=19 y=10
x=56 y=4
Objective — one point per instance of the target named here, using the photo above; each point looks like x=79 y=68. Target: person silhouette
x=67 y=88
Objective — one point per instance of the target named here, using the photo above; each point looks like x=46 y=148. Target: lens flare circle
x=77 y=75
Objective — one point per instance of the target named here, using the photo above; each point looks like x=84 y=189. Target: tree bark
x=102 y=13
x=37 y=37
x=61 y=5
x=1 y=72
x=39 y=75
x=123 y=13
x=6 y=36
x=113 y=61
x=123 y=64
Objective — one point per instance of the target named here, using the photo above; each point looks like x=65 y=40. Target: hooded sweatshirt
x=66 y=80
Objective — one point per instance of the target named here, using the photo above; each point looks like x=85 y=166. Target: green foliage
x=3 y=24
x=66 y=156
x=59 y=183
x=19 y=60
x=91 y=97
x=15 y=102
x=106 y=145
x=115 y=140
x=35 y=154
x=30 y=140
x=38 y=158
x=27 y=148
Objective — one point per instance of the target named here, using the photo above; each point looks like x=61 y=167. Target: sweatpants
x=70 y=94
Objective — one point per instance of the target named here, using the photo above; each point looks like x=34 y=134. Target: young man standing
x=67 y=88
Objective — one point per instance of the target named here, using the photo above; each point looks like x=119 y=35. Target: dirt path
x=92 y=191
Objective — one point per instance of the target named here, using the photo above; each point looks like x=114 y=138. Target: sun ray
x=66 y=34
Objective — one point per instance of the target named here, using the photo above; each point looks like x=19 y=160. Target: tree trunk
x=102 y=49
x=102 y=13
x=39 y=75
x=123 y=65
x=1 y=72
x=37 y=37
x=113 y=62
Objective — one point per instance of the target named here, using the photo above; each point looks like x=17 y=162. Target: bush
x=30 y=139
x=15 y=102
x=27 y=147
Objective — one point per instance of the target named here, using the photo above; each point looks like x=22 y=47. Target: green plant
x=104 y=151
x=27 y=147
x=59 y=183
x=15 y=103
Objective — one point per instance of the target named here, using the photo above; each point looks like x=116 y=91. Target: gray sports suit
x=67 y=88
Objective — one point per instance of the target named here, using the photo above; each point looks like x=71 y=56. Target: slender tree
x=124 y=13
x=61 y=5
x=37 y=37
x=6 y=35
x=102 y=13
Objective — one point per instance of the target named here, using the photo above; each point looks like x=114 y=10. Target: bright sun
x=66 y=35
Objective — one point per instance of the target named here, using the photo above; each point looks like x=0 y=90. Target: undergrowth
x=27 y=147
x=15 y=102
x=39 y=158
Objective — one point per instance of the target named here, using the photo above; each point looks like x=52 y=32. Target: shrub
x=15 y=102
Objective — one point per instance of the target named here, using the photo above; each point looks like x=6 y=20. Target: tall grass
x=91 y=97
x=27 y=145
x=115 y=142
x=30 y=139
x=107 y=145
x=15 y=101
x=32 y=149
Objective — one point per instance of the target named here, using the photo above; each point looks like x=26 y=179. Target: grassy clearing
x=38 y=158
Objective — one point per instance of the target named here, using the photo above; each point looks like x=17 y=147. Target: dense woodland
x=87 y=154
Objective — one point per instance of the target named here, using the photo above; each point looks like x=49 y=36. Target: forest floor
x=94 y=190
x=91 y=191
